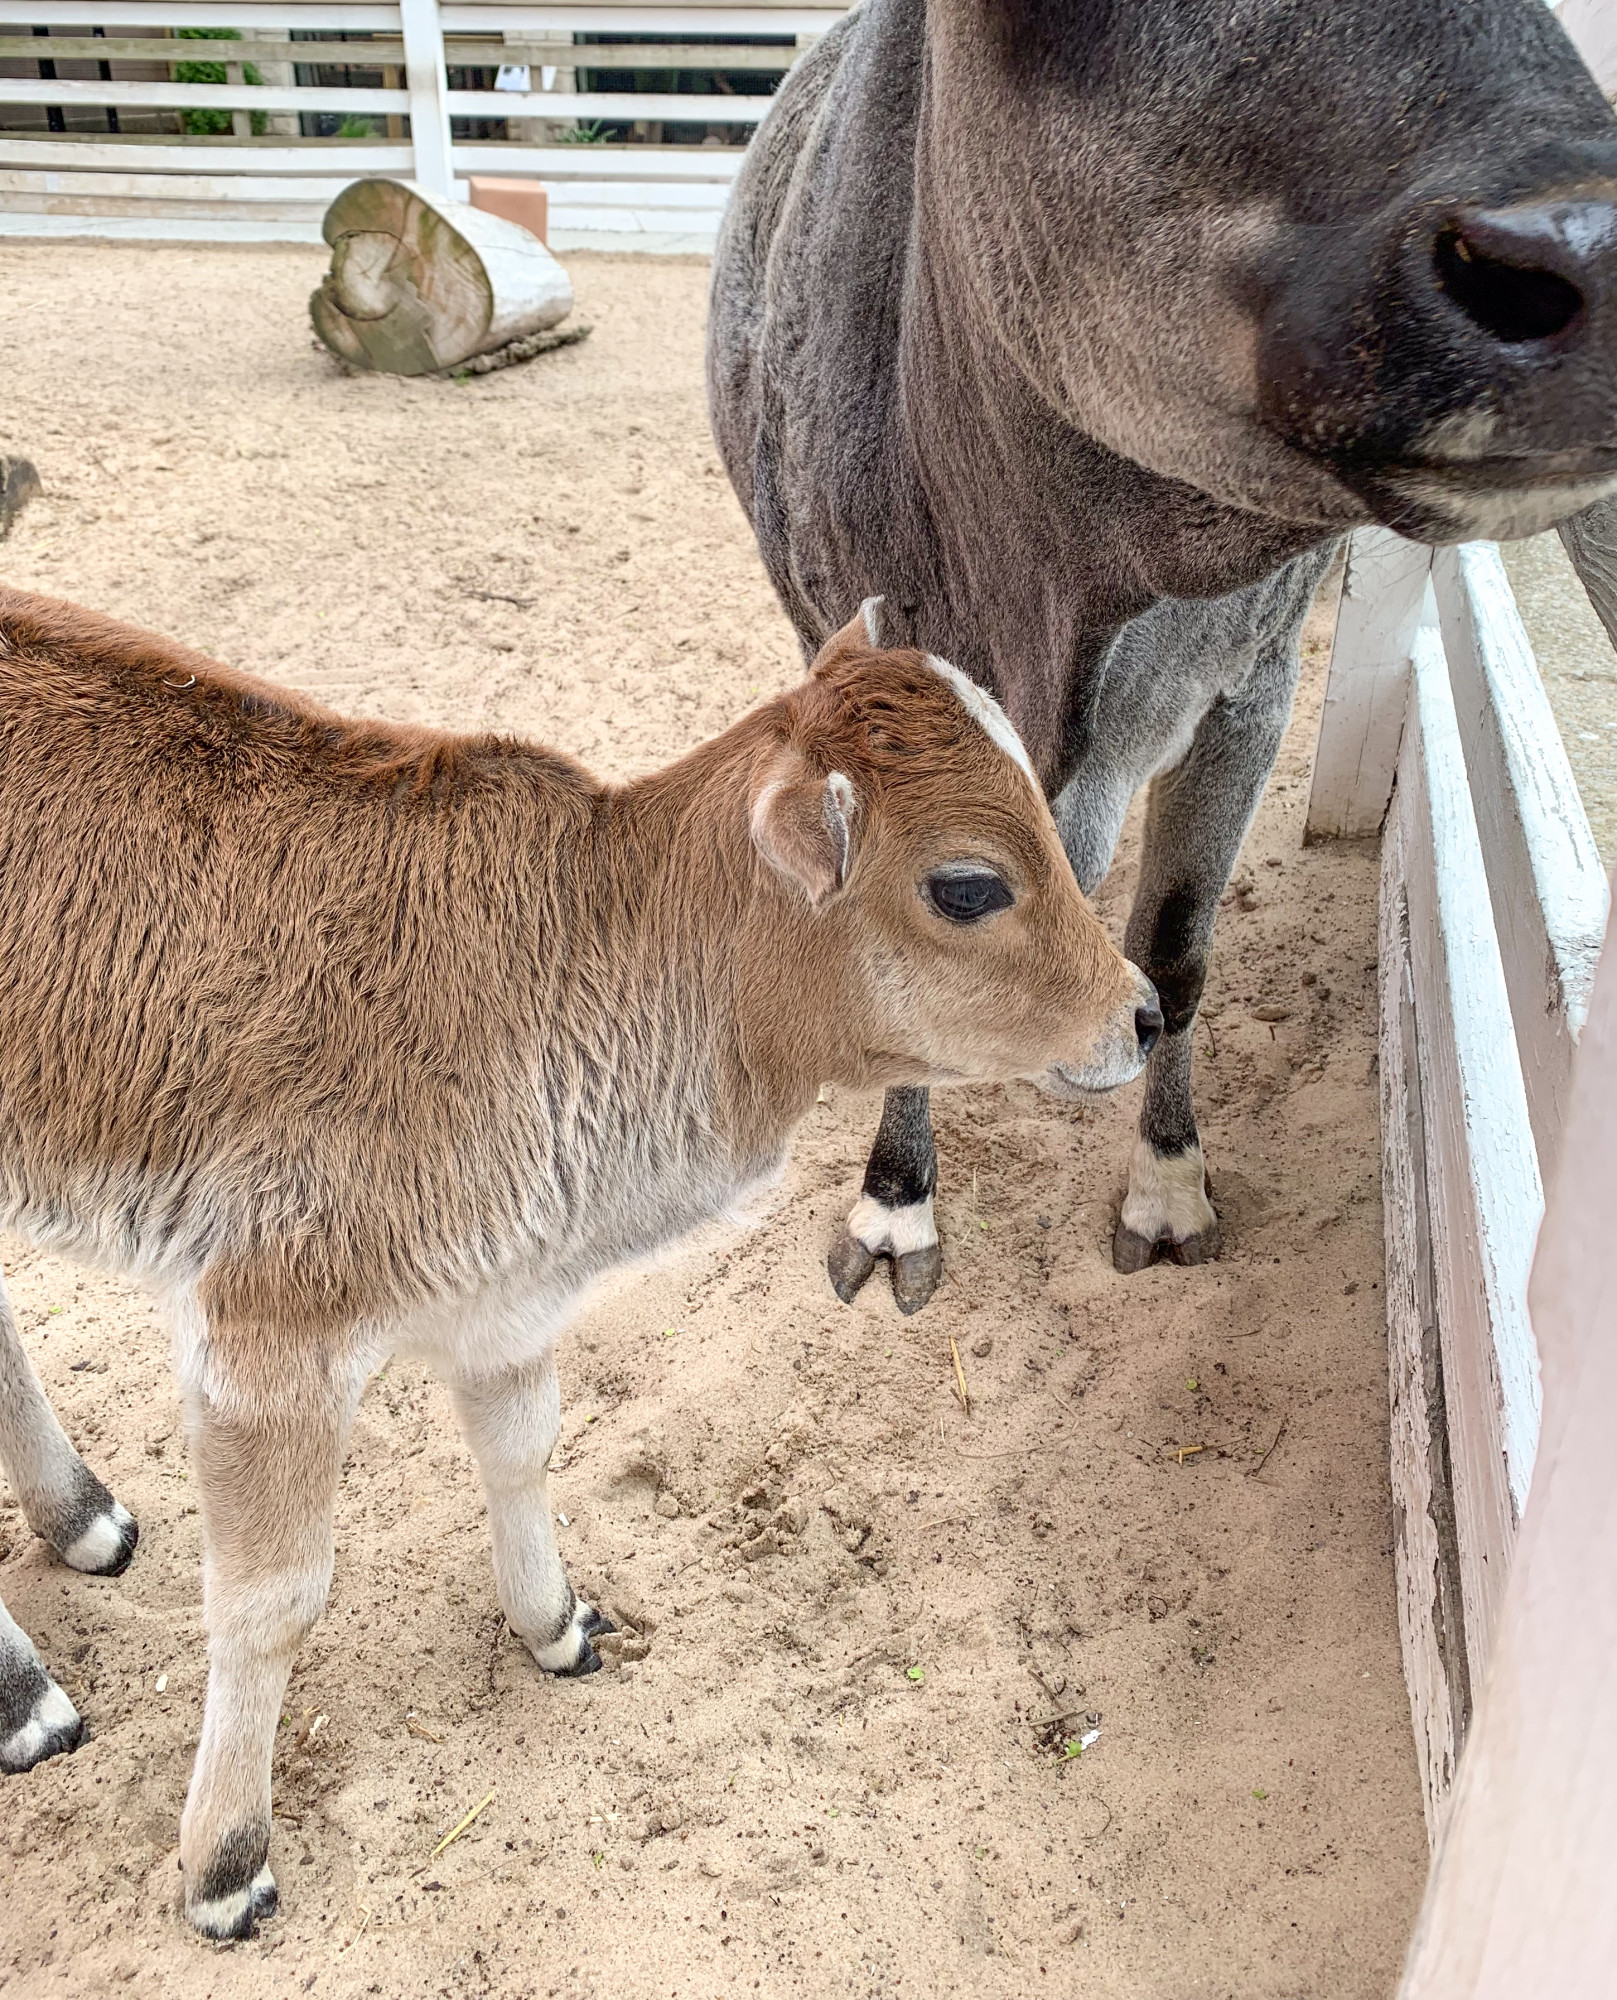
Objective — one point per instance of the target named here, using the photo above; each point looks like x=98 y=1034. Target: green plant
x=356 y=126
x=201 y=123
x=592 y=134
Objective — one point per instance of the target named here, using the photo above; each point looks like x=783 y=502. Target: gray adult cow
x=1080 y=332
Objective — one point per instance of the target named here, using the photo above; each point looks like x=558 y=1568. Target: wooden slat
x=1383 y=588
x=618 y=105
x=197 y=96
x=1547 y=886
x=1482 y=1168
x=459 y=53
x=309 y=190
x=1431 y=1619
x=612 y=104
x=747 y=17
x=1590 y=539
x=169 y=153
x=276 y=15
x=1520 y=1904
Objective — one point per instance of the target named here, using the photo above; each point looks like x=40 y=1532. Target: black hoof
x=588 y=1662
x=596 y=1623
x=1200 y=1249
x=42 y=1723
x=849 y=1264
x=1132 y=1252
x=915 y=1277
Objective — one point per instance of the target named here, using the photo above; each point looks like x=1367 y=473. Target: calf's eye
x=966 y=895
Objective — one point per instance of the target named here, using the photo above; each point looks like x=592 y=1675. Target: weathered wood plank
x=1520 y=1904
x=424 y=105
x=349 y=157
x=1482 y=1167
x=1383 y=588
x=1590 y=539
x=1431 y=1622
x=1545 y=880
x=203 y=96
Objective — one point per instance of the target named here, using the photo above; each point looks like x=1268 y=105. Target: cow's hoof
x=915 y=1277
x=849 y=1264
x=36 y=1719
x=1132 y=1252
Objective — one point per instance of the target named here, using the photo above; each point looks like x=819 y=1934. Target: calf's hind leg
x=511 y=1420
x=267 y=1448
x=67 y=1506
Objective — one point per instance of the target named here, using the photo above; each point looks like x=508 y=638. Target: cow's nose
x=1148 y=1026
x=1526 y=272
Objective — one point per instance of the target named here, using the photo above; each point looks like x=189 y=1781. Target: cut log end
x=419 y=284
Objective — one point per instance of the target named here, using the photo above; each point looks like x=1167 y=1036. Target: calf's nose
x=1148 y=1024
x=1527 y=271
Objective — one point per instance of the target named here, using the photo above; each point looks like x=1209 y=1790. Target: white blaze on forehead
x=981 y=705
x=988 y=712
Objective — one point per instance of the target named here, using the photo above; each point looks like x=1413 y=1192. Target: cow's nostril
x=1148 y=1026
x=1515 y=303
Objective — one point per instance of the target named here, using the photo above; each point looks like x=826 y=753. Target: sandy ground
x=836 y=1770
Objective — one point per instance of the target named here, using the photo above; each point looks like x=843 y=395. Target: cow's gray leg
x=36 y=1719
x=65 y=1503
x=511 y=1421
x=893 y=1216
x=1197 y=817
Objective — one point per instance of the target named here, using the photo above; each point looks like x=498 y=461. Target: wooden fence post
x=1383 y=592
x=427 y=81
x=1520 y=1904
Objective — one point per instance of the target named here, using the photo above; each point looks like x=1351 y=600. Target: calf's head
x=1326 y=260
x=939 y=922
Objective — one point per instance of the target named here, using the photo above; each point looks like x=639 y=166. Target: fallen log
x=418 y=283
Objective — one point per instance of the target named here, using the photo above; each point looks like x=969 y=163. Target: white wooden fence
x=1493 y=907
x=277 y=185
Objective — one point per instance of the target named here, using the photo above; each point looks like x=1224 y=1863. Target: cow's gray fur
x=1081 y=333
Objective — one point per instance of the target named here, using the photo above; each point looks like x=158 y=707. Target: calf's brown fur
x=347 y=1038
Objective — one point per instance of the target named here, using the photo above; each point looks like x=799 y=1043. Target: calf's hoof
x=36 y=1719
x=105 y=1542
x=235 y=1890
x=571 y=1655
x=906 y=1234
x=849 y=1264
x=915 y=1277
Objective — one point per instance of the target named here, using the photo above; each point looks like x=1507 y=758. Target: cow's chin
x=1474 y=503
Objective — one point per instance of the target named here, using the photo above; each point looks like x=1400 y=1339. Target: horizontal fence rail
x=586 y=118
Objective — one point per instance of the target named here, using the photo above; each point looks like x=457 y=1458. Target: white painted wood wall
x=277 y=188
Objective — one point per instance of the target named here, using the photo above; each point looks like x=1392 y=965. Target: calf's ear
x=862 y=634
x=803 y=826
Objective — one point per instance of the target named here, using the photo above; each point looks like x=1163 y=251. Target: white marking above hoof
x=53 y=1726
x=232 y=1916
x=103 y=1543
x=1167 y=1197
x=893 y=1232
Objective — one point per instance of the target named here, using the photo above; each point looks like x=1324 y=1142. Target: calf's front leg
x=893 y=1216
x=511 y=1420
x=267 y=1449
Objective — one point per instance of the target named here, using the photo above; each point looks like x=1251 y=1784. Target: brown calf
x=349 y=1039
